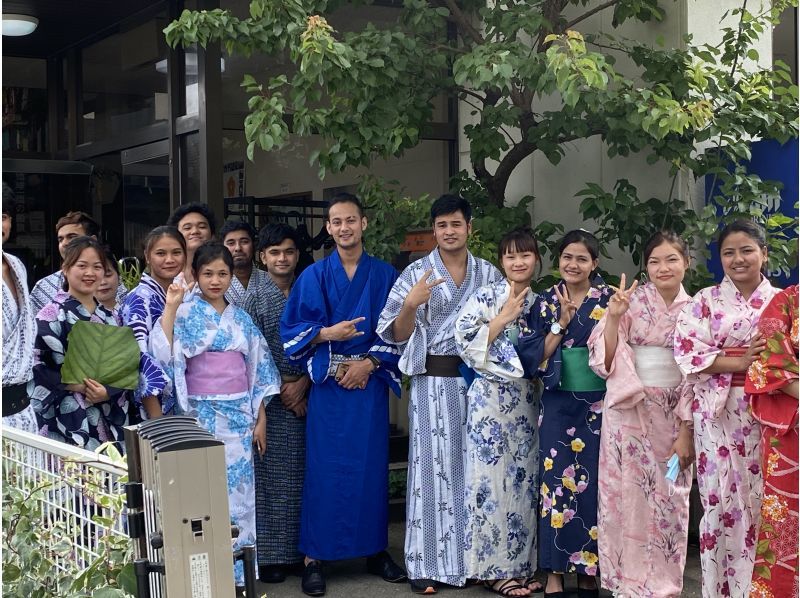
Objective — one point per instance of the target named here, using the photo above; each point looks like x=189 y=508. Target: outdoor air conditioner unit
x=178 y=512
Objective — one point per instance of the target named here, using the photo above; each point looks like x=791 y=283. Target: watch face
x=555 y=328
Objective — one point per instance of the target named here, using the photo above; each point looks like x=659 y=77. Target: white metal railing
x=77 y=483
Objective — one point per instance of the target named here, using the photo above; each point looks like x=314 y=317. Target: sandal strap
x=506 y=586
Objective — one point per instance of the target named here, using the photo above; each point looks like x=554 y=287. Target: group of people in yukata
x=549 y=434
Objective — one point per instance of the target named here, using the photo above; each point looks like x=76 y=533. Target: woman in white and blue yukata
x=223 y=375
x=501 y=441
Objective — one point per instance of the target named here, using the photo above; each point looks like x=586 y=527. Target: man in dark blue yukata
x=329 y=325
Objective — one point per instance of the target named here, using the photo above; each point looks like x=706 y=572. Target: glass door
x=145 y=191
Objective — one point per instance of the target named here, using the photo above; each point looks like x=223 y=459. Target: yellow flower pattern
x=577 y=445
x=597 y=313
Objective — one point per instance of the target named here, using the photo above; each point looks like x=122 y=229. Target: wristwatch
x=556 y=328
x=375 y=361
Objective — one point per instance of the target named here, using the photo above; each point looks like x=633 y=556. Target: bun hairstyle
x=585 y=238
x=73 y=251
x=665 y=236
x=521 y=240
x=755 y=231
x=210 y=251
x=748 y=227
x=163 y=231
x=580 y=236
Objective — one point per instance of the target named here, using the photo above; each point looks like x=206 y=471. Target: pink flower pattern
x=642 y=530
x=726 y=435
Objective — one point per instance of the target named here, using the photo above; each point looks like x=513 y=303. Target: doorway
x=145 y=193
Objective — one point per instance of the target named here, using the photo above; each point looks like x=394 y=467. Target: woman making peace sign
x=501 y=448
x=643 y=519
x=569 y=427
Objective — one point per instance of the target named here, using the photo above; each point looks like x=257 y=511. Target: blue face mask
x=673 y=469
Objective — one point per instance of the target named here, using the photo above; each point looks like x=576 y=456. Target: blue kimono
x=142 y=307
x=345 y=493
x=569 y=432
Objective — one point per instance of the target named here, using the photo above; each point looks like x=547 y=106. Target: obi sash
x=737 y=378
x=216 y=373
x=576 y=375
x=656 y=366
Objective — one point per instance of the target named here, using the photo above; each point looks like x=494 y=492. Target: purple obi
x=216 y=373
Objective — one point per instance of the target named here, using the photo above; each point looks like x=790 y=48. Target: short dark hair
x=210 y=251
x=344 y=198
x=580 y=236
x=73 y=250
x=234 y=225
x=449 y=204
x=163 y=231
x=89 y=224
x=665 y=236
x=276 y=233
x=188 y=208
x=521 y=240
x=751 y=229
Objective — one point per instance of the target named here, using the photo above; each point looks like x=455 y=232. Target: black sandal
x=529 y=581
x=505 y=588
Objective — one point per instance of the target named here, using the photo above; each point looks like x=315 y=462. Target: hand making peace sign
x=512 y=308
x=420 y=293
x=620 y=301
x=568 y=307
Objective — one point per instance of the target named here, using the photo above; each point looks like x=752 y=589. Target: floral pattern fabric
x=726 y=435
x=643 y=520
x=501 y=444
x=775 y=571
x=569 y=438
x=63 y=415
x=230 y=417
x=142 y=307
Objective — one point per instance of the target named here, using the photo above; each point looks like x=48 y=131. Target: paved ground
x=348 y=579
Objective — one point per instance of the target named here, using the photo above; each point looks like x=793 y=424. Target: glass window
x=125 y=81
x=24 y=104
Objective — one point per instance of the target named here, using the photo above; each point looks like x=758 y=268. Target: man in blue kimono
x=329 y=323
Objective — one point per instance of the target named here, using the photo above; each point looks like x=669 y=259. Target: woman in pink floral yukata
x=643 y=519
x=716 y=340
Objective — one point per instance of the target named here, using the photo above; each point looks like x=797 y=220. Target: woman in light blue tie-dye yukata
x=223 y=375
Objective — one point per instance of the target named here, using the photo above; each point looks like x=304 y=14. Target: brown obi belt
x=442 y=366
x=738 y=378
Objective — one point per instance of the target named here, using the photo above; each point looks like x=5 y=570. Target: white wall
x=585 y=161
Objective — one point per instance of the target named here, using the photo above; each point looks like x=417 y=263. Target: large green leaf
x=107 y=354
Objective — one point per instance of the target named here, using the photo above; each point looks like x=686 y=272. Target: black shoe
x=586 y=593
x=271 y=573
x=424 y=586
x=383 y=566
x=313 y=582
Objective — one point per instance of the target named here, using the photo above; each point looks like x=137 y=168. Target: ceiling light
x=17 y=25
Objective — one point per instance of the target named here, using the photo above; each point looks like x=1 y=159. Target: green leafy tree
x=370 y=93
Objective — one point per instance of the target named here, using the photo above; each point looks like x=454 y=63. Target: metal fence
x=78 y=486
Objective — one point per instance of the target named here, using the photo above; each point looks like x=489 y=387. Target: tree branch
x=589 y=13
x=463 y=21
